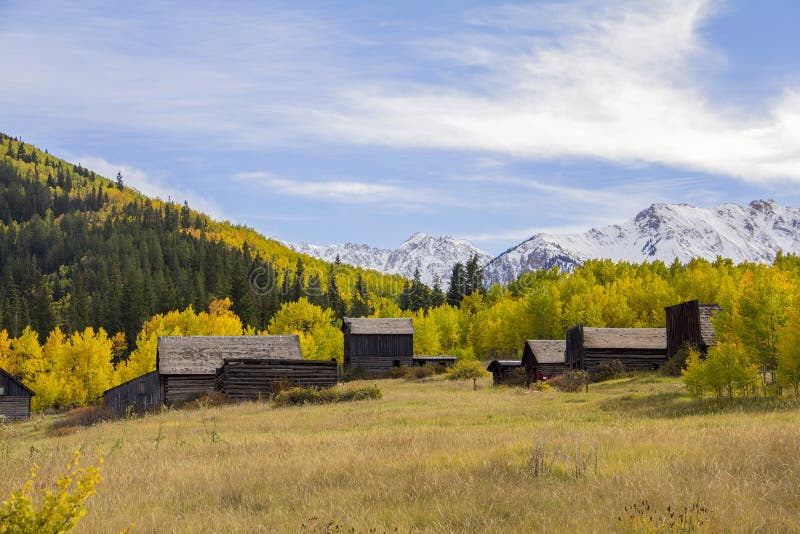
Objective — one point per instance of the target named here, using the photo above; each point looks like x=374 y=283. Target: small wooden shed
x=544 y=356
x=188 y=365
x=139 y=395
x=15 y=398
x=374 y=346
x=502 y=369
x=247 y=379
x=638 y=349
x=444 y=361
x=689 y=323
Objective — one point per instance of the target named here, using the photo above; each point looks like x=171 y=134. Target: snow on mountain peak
x=755 y=232
x=434 y=256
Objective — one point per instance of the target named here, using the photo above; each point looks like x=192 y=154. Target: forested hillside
x=78 y=250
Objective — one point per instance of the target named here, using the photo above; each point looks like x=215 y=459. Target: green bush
x=301 y=396
x=422 y=371
x=466 y=369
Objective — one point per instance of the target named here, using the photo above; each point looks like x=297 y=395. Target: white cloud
x=141 y=181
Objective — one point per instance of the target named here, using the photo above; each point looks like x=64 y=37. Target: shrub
x=399 y=371
x=542 y=386
x=301 y=396
x=52 y=512
x=641 y=517
x=674 y=365
x=80 y=417
x=571 y=380
x=422 y=371
x=517 y=378
x=215 y=398
x=608 y=369
x=466 y=369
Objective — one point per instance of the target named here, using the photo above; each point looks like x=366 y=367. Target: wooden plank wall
x=574 y=352
x=379 y=345
x=139 y=395
x=12 y=388
x=632 y=359
x=179 y=389
x=15 y=408
x=253 y=379
x=683 y=326
x=377 y=366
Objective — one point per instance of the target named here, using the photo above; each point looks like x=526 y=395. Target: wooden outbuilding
x=444 y=361
x=502 y=369
x=638 y=349
x=15 y=398
x=689 y=323
x=247 y=379
x=140 y=395
x=188 y=365
x=545 y=356
x=373 y=346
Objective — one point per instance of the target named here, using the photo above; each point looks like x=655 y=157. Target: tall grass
x=436 y=456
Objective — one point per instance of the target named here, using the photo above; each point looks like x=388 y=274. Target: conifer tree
x=455 y=292
x=437 y=295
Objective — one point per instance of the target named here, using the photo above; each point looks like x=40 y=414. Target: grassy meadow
x=435 y=456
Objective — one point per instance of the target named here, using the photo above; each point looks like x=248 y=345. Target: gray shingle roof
x=625 y=338
x=707 y=333
x=355 y=325
x=202 y=355
x=548 y=350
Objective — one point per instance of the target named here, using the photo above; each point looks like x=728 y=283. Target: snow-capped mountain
x=755 y=232
x=432 y=255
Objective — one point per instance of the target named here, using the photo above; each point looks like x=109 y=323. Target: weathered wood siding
x=375 y=354
x=638 y=349
x=689 y=323
x=253 y=379
x=444 y=361
x=179 y=389
x=15 y=408
x=501 y=370
x=142 y=394
x=15 y=400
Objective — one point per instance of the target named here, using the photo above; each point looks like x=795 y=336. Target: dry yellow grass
x=435 y=456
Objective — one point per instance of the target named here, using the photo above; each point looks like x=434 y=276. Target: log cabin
x=545 y=356
x=139 y=395
x=689 y=323
x=15 y=398
x=638 y=349
x=502 y=370
x=187 y=365
x=247 y=379
x=373 y=346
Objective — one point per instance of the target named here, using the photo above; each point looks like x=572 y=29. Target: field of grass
x=435 y=456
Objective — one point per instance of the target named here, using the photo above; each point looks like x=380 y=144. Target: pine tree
x=120 y=185
x=455 y=292
x=186 y=216
x=335 y=301
x=298 y=289
x=473 y=280
x=437 y=295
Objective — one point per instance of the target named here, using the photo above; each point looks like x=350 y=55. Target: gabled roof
x=356 y=325
x=625 y=338
x=547 y=350
x=203 y=355
x=17 y=382
x=496 y=364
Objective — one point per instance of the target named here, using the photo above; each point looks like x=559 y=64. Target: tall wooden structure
x=638 y=349
x=689 y=323
x=187 y=365
x=15 y=398
x=545 y=356
x=142 y=394
x=374 y=346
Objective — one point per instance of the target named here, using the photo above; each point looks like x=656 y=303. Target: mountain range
x=752 y=232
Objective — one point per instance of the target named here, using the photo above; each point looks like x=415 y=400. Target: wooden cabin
x=140 y=395
x=15 y=399
x=188 y=365
x=248 y=379
x=502 y=370
x=639 y=349
x=689 y=323
x=374 y=346
x=545 y=356
x=444 y=361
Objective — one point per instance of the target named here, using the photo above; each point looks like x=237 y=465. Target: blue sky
x=330 y=121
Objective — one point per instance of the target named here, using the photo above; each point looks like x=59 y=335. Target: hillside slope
x=78 y=249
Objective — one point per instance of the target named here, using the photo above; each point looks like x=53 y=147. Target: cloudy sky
x=366 y=121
